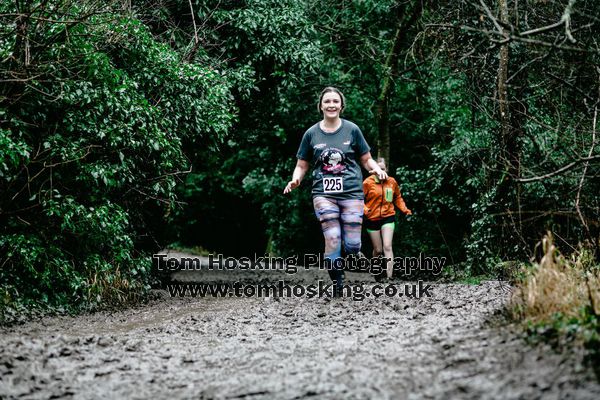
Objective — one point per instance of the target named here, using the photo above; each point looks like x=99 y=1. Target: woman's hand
x=293 y=184
x=370 y=165
x=381 y=174
x=301 y=168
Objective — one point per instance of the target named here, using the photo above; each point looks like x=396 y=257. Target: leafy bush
x=92 y=144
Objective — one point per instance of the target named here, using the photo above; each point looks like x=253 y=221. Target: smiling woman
x=336 y=147
x=331 y=104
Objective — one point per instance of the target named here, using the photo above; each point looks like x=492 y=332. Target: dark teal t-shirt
x=335 y=156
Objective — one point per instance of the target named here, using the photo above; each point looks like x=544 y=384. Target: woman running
x=337 y=148
x=381 y=195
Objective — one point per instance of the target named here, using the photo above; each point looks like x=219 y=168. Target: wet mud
x=454 y=344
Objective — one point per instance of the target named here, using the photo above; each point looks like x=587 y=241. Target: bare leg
x=377 y=243
x=387 y=234
x=377 y=252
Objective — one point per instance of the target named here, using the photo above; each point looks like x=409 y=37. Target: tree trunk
x=503 y=106
x=390 y=69
x=511 y=122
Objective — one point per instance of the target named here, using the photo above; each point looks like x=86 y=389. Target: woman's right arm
x=299 y=172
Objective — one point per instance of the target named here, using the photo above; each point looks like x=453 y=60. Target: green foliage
x=104 y=112
x=271 y=31
x=562 y=332
x=92 y=143
x=276 y=44
x=445 y=148
x=441 y=185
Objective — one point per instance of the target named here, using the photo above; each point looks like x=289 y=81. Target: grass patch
x=558 y=300
x=107 y=288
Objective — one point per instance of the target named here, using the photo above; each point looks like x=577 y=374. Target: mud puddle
x=436 y=347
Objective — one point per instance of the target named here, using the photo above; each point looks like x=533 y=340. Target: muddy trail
x=454 y=344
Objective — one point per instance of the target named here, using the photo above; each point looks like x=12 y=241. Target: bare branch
x=587 y=164
x=171 y=174
x=558 y=171
x=194 y=22
x=518 y=38
x=492 y=18
x=565 y=19
x=558 y=78
x=585 y=168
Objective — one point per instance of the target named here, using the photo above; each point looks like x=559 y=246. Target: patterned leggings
x=341 y=221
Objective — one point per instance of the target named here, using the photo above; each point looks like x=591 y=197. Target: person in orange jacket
x=380 y=216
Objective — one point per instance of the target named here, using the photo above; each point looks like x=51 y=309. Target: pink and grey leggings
x=341 y=221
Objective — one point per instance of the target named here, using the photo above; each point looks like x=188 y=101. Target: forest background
x=127 y=126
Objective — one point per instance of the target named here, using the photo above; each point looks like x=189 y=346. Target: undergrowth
x=558 y=300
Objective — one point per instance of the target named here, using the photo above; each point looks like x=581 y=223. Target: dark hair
x=330 y=89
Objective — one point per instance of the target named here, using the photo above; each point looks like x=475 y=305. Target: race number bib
x=333 y=184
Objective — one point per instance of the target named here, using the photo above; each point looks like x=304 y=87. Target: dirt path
x=291 y=348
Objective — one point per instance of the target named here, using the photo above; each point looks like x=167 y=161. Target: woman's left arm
x=370 y=165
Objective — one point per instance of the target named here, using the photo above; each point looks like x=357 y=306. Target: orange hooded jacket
x=380 y=198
